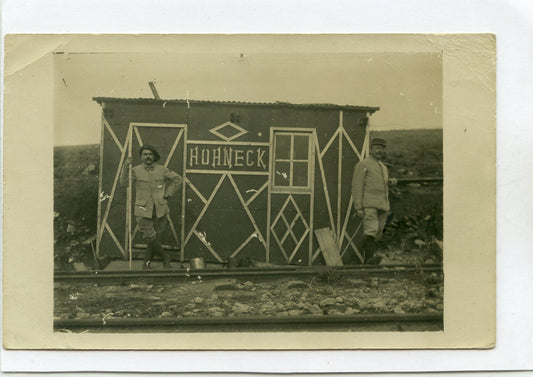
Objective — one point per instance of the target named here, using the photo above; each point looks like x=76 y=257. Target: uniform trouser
x=374 y=222
x=152 y=230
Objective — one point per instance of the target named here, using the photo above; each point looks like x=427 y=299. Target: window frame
x=292 y=132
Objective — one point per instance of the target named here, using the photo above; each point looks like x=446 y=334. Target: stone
x=239 y=308
x=166 y=315
x=335 y=312
x=295 y=312
x=198 y=300
x=225 y=286
x=240 y=286
x=295 y=284
x=398 y=310
x=248 y=285
x=328 y=302
x=358 y=283
x=81 y=315
x=339 y=299
x=314 y=309
x=351 y=311
x=280 y=307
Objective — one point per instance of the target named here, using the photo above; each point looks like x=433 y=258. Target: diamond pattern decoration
x=284 y=241
x=239 y=131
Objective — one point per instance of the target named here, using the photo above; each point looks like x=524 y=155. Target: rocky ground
x=329 y=294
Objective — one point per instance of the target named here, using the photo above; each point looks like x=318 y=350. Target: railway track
x=358 y=322
x=431 y=321
x=254 y=273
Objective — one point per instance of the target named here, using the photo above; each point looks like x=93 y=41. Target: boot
x=158 y=249
x=148 y=256
x=370 y=247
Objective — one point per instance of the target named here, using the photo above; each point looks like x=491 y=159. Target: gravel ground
x=330 y=294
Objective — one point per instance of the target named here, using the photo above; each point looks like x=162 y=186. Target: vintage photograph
x=248 y=190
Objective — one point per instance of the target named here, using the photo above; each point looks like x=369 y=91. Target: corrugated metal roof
x=238 y=103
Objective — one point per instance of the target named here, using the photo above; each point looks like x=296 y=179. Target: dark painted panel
x=225 y=223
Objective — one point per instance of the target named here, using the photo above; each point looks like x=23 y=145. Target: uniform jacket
x=152 y=188
x=370 y=185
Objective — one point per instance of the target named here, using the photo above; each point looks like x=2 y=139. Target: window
x=291 y=160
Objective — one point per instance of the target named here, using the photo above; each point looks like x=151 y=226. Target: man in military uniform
x=154 y=184
x=370 y=193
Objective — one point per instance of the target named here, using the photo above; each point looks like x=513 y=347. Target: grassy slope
x=419 y=152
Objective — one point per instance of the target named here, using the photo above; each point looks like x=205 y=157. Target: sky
x=406 y=86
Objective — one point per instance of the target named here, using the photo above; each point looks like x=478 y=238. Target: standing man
x=370 y=192
x=154 y=184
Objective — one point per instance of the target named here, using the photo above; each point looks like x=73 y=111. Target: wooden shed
x=259 y=178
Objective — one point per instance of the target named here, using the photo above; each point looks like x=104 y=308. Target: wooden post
x=100 y=180
x=311 y=157
x=183 y=188
x=339 y=180
x=128 y=220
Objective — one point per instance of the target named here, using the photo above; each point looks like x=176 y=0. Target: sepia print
x=242 y=190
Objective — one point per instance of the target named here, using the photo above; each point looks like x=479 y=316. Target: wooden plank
x=324 y=183
x=173 y=149
x=196 y=191
x=115 y=138
x=229 y=143
x=346 y=219
x=324 y=151
x=288 y=130
x=350 y=142
x=129 y=198
x=252 y=219
x=171 y=224
x=252 y=198
x=169 y=125
x=291 y=164
x=355 y=249
x=99 y=211
x=311 y=156
x=183 y=193
x=280 y=245
x=289 y=229
x=298 y=245
x=138 y=136
x=112 y=195
x=352 y=244
x=208 y=246
x=316 y=253
x=281 y=210
x=254 y=234
x=226 y=172
x=202 y=212
x=328 y=246
x=339 y=179
x=299 y=212
x=115 y=239
x=269 y=194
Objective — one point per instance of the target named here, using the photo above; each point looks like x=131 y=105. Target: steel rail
x=256 y=273
x=259 y=323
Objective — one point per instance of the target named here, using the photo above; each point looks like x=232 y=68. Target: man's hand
x=128 y=161
x=393 y=181
x=360 y=213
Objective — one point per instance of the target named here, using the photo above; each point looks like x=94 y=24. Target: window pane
x=283 y=147
x=300 y=174
x=301 y=147
x=282 y=174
